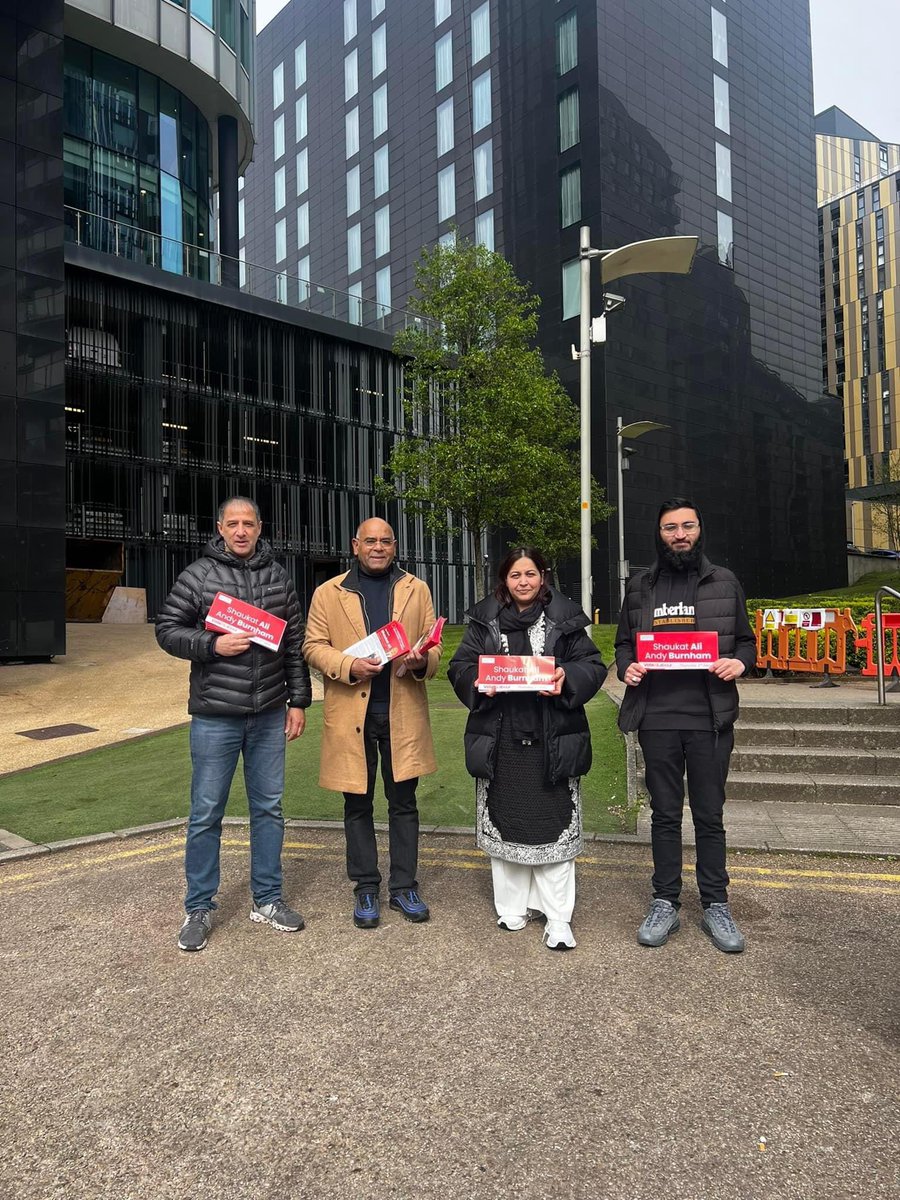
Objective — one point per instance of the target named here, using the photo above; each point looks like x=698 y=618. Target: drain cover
x=54 y=731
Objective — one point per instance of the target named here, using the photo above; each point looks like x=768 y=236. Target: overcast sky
x=856 y=45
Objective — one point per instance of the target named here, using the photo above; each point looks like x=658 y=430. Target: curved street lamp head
x=638 y=428
x=668 y=255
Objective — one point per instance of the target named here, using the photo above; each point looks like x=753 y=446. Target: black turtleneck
x=375 y=597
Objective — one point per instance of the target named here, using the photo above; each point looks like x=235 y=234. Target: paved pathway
x=448 y=1060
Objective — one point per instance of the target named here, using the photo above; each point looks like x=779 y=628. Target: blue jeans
x=216 y=745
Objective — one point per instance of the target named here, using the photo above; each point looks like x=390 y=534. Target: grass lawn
x=149 y=779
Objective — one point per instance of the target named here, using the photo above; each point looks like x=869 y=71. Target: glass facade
x=137 y=164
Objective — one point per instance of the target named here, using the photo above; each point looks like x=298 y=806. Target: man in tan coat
x=373 y=710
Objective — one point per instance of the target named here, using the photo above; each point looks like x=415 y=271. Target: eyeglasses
x=687 y=526
x=370 y=542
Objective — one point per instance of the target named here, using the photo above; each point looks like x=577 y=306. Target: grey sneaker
x=278 y=915
x=719 y=924
x=661 y=920
x=194 y=933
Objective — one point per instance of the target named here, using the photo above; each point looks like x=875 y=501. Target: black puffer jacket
x=258 y=679
x=720 y=608
x=567 y=736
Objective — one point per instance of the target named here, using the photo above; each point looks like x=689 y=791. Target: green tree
x=885 y=507
x=490 y=436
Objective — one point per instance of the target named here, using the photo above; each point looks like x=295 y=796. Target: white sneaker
x=558 y=936
x=511 y=924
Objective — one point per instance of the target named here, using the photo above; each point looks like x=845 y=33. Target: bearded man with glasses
x=685 y=718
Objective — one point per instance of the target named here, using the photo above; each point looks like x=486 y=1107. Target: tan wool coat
x=335 y=621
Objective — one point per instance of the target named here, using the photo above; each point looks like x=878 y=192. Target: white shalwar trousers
x=548 y=888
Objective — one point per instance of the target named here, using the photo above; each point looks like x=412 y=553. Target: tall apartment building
x=859 y=233
x=139 y=382
x=384 y=125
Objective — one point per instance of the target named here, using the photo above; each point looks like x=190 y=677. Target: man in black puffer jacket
x=244 y=699
x=685 y=718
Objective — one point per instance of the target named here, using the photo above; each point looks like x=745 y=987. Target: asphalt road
x=448 y=1059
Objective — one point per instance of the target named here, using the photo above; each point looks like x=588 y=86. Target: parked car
x=851 y=549
x=885 y=553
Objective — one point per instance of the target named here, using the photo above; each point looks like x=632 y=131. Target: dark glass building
x=385 y=124
x=32 y=340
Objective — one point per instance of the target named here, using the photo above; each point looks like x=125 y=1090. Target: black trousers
x=403 y=817
x=706 y=756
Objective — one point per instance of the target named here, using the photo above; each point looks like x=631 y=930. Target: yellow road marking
x=48 y=871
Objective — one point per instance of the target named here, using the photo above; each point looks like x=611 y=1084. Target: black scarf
x=521 y=709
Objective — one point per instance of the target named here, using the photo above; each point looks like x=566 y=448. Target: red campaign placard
x=432 y=638
x=386 y=643
x=689 y=651
x=228 y=615
x=515 y=673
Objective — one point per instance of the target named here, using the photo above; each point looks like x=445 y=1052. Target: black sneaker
x=278 y=915
x=411 y=904
x=194 y=933
x=367 y=910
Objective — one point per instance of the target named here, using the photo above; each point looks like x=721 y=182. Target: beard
x=679 y=561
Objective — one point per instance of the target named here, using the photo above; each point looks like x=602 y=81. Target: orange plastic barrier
x=890 y=628
x=790 y=648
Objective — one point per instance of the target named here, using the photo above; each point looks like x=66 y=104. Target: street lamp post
x=635 y=429
x=670 y=255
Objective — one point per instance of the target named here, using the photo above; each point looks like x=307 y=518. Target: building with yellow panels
x=859 y=237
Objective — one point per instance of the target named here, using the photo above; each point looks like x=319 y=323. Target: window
x=379 y=111
x=446 y=193
x=570 y=197
x=302 y=171
x=300 y=65
x=857 y=168
x=568 y=119
x=860 y=204
x=382 y=180
x=278 y=85
x=241 y=226
x=354 y=249
x=303 y=280
x=484 y=169
x=441 y=11
x=300 y=118
x=383 y=290
x=281 y=240
x=567 y=42
x=303 y=225
x=278 y=136
x=481 y=102
x=720 y=100
x=226 y=22
x=719 y=37
x=202 y=10
x=354 y=315
x=352 y=191
x=379 y=50
x=377 y=8
x=279 y=189
x=351 y=75
x=443 y=62
x=351 y=132
x=725 y=231
x=349 y=21
x=445 y=127
x=883 y=159
x=484 y=229
x=448 y=239
x=382 y=231
x=876 y=197
x=723 y=171
x=481 y=33
x=571 y=289
x=281 y=287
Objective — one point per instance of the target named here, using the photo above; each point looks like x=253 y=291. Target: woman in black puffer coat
x=528 y=751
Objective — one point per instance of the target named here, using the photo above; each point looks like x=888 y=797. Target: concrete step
x=816 y=760
x=794 y=787
x=834 y=737
x=822 y=713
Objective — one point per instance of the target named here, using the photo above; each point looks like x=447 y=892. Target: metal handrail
x=879 y=639
x=124 y=239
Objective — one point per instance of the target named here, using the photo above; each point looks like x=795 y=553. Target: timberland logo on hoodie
x=674 y=614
